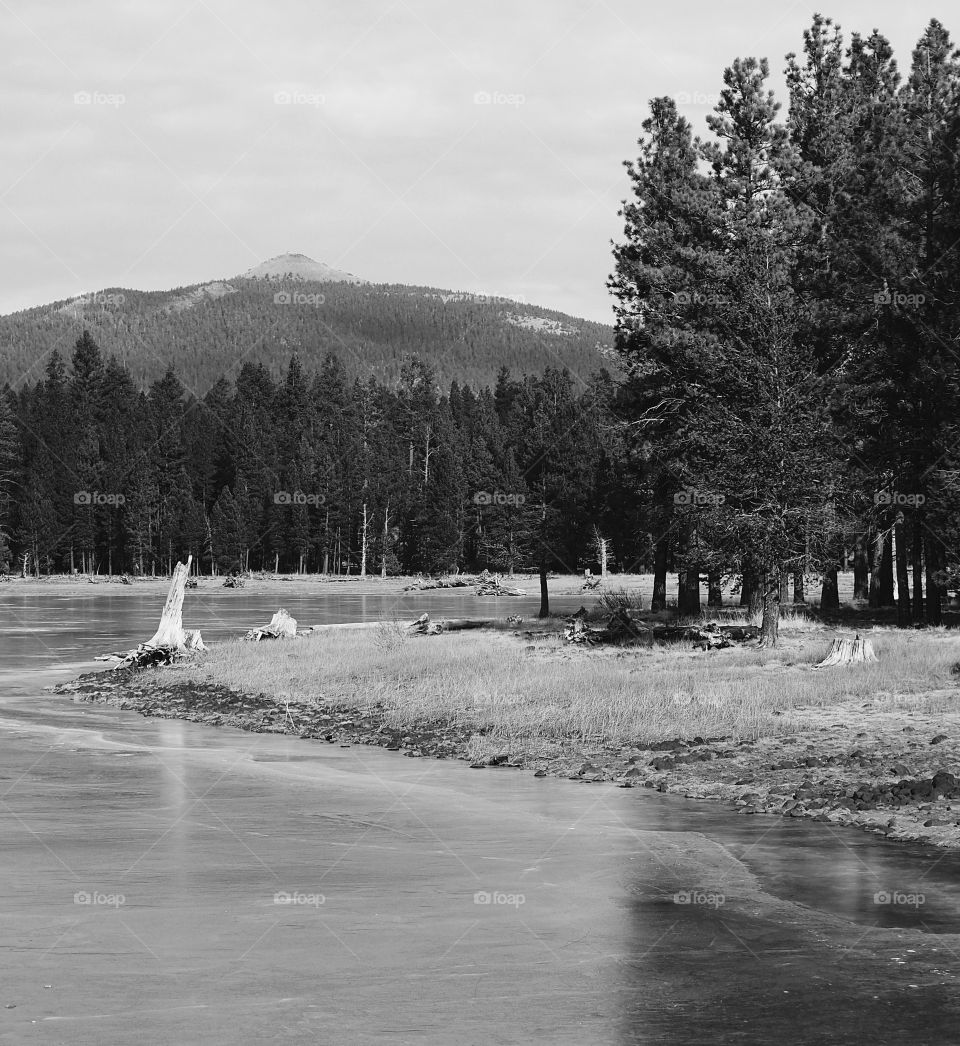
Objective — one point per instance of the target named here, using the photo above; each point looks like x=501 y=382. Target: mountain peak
x=298 y=267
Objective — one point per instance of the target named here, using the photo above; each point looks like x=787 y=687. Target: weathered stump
x=281 y=626
x=170 y=639
x=847 y=651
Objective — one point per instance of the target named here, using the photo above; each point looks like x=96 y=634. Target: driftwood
x=709 y=636
x=847 y=651
x=282 y=626
x=621 y=627
x=170 y=640
x=425 y=584
x=423 y=626
x=491 y=585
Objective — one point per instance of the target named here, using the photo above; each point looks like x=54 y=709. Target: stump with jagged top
x=170 y=640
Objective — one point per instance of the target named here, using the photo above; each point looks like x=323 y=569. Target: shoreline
x=882 y=771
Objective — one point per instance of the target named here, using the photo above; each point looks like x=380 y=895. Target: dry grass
x=537 y=697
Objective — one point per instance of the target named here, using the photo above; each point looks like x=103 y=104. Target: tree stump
x=170 y=639
x=847 y=651
x=281 y=626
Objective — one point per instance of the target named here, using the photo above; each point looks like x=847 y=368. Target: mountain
x=293 y=304
x=298 y=267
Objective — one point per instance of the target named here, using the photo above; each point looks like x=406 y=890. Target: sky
x=477 y=147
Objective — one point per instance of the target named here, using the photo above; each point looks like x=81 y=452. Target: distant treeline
x=314 y=473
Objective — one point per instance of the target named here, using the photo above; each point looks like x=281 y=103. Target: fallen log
x=281 y=626
x=170 y=640
x=847 y=651
x=426 y=584
x=423 y=626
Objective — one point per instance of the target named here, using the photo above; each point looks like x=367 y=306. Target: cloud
x=384 y=162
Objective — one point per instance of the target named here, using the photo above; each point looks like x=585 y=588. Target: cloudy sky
x=476 y=147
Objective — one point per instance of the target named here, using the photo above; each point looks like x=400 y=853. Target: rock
x=663 y=763
x=478 y=766
x=938 y=739
x=540 y=773
x=633 y=772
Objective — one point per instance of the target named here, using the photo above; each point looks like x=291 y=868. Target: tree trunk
x=784 y=586
x=916 y=555
x=688 y=592
x=799 y=596
x=886 y=571
x=363 y=544
x=749 y=589
x=386 y=540
x=770 y=624
x=544 y=593
x=830 y=592
x=876 y=567
x=658 y=600
x=861 y=570
x=714 y=589
x=903 y=583
x=934 y=591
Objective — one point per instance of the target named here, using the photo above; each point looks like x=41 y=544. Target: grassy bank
x=874 y=745
x=529 y=695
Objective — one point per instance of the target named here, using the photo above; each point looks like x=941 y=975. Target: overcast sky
x=471 y=146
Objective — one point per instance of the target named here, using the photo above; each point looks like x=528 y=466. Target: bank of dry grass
x=533 y=696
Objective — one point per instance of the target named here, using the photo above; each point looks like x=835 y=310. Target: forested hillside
x=208 y=331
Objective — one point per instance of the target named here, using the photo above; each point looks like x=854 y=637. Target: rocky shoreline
x=892 y=772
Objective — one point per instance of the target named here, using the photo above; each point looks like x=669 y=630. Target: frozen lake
x=163 y=882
